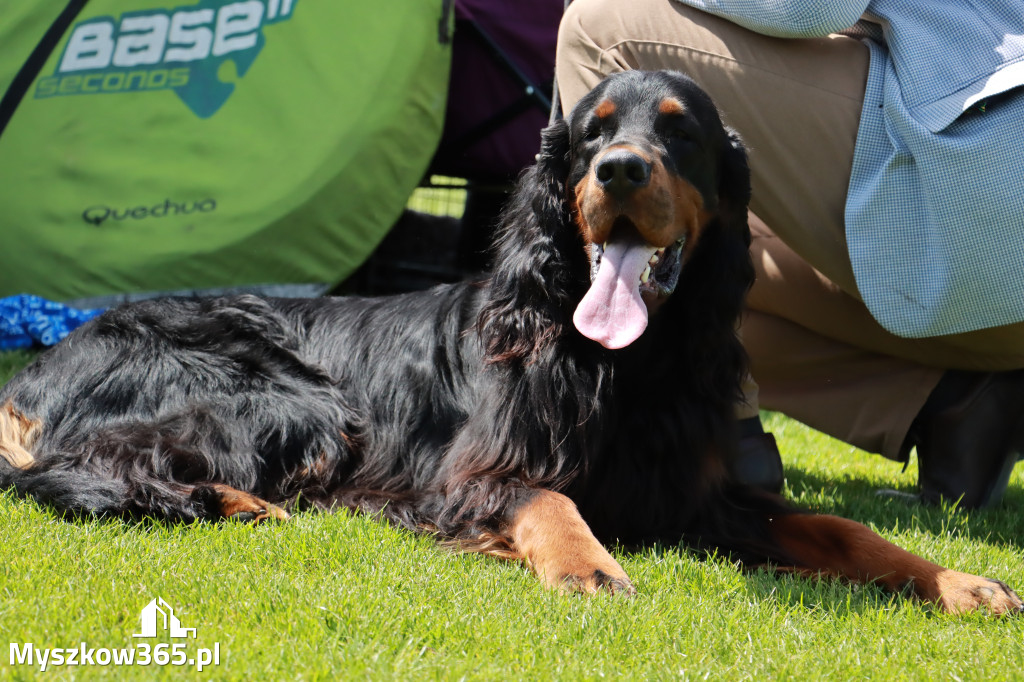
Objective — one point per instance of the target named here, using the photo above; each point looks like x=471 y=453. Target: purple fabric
x=526 y=30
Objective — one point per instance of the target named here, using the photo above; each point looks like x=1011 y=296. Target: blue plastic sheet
x=27 y=321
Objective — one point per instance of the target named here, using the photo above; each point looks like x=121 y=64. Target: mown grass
x=329 y=597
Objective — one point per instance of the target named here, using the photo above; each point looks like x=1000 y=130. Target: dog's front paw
x=269 y=513
x=222 y=501
x=588 y=569
x=597 y=581
x=961 y=592
x=549 y=534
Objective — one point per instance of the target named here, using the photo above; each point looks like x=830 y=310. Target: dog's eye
x=592 y=132
x=677 y=133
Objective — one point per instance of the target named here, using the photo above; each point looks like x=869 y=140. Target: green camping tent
x=147 y=147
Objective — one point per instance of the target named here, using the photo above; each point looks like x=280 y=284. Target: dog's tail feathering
x=137 y=469
x=18 y=435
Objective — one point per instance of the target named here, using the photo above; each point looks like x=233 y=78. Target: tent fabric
x=485 y=96
x=211 y=145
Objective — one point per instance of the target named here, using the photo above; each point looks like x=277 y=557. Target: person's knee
x=587 y=21
x=580 y=63
x=600 y=37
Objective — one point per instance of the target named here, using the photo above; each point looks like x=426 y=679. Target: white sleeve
x=786 y=18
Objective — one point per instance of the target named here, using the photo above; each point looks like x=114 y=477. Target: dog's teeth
x=660 y=252
x=646 y=274
x=654 y=259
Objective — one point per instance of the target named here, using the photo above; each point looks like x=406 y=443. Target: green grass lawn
x=328 y=597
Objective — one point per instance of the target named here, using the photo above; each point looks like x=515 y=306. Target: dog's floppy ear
x=736 y=272
x=734 y=184
x=717 y=278
x=536 y=254
x=553 y=159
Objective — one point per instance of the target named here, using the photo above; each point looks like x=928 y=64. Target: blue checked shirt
x=935 y=210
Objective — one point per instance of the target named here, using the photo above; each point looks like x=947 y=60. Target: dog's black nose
x=621 y=171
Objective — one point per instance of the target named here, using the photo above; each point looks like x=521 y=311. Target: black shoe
x=969 y=435
x=758 y=462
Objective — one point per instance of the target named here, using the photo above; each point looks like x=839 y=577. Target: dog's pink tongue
x=612 y=313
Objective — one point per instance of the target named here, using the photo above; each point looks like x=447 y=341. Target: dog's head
x=651 y=166
x=639 y=192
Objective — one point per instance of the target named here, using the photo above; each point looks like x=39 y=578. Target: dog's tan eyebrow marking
x=670 y=106
x=605 y=109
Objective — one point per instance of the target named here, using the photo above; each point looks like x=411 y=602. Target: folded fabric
x=27 y=320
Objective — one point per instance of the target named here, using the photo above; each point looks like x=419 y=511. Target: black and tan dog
x=584 y=391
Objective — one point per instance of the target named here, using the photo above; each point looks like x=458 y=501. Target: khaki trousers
x=816 y=352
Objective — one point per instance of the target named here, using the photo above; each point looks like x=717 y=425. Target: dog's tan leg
x=837 y=546
x=17 y=434
x=549 y=534
x=228 y=502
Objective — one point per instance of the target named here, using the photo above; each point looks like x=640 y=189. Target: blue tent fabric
x=27 y=321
